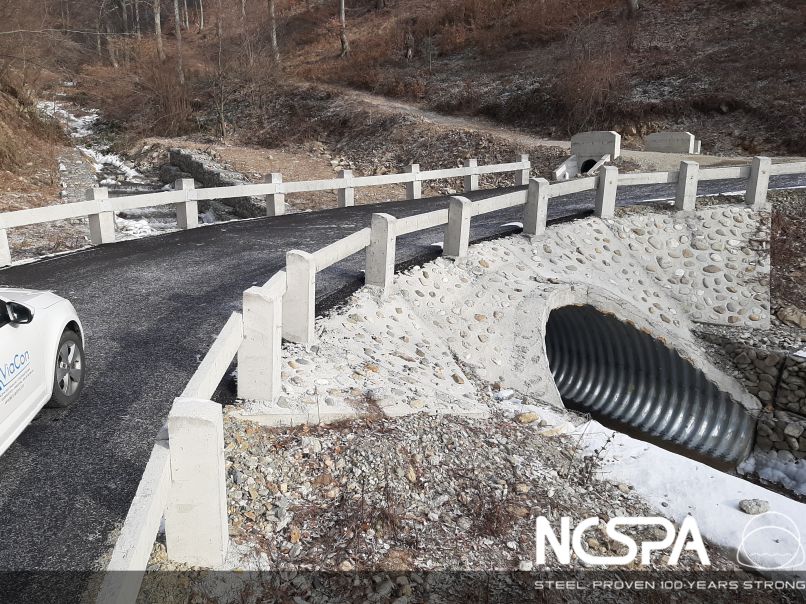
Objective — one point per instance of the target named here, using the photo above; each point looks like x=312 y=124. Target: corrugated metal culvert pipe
x=619 y=374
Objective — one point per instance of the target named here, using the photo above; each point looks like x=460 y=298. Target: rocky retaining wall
x=778 y=379
x=212 y=174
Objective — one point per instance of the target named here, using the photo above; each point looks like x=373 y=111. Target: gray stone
x=754 y=506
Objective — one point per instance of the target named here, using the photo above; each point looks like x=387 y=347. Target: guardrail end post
x=275 y=202
x=299 y=301
x=5 y=250
x=380 y=267
x=471 y=181
x=606 y=186
x=187 y=212
x=260 y=353
x=522 y=176
x=457 y=231
x=102 y=224
x=414 y=188
x=535 y=211
x=347 y=194
x=686 y=194
x=196 y=530
x=759 y=182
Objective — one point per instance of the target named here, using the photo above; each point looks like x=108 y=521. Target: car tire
x=68 y=371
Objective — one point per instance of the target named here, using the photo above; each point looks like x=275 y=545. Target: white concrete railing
x=100 y=208
x=184 y=480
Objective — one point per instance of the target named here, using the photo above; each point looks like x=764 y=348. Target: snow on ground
x=770 y=467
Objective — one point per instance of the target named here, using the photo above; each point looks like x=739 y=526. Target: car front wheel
x=69 y=372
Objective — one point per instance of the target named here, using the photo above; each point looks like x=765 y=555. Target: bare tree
x=137 y=18
x=345 y=43
x=380 y=4
x=178 y=29
x=187 y=18
x=201 y=15
x=273 y=25
x=158 y=30
x=632 y=7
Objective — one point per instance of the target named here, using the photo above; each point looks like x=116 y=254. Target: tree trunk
x=273 y=24
x=345 y=43
x=110 y=46
x=632 y=7
x=158 y=30
x=380 y=4
x=201 y=15
x=178 y=29
x=187 y=18
x=137 y=18
x=124 y=16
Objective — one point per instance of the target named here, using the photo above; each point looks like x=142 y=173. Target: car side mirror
x=19 y=314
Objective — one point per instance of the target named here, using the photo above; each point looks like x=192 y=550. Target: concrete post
x=260 y=354
x=606 y=192
x=275 y=202
x=471 y=181
x=457 y=231
x=102 y=225
x=759 y=182
x=299 y=301
x=187 y=212
x=536 y=209
x=346 y=195
x=414 y=189
x=686 y=196
x=5 y=250
x=196 y=530
x=381 y=251
x=522 y=176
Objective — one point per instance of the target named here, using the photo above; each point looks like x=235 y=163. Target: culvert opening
x=632 y=382
x=587 y=165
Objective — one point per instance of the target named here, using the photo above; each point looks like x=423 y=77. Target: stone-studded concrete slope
x=445 y=324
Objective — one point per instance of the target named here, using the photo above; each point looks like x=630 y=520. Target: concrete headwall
x=594 y=145
x=671 y=142
x=211 y=174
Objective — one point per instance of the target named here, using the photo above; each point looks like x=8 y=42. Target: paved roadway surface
x=151 y=307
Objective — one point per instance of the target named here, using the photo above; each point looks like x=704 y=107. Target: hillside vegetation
x=732 y=71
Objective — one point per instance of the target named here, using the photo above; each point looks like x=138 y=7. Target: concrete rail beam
x=380 y=268
x=347 y=194
x=414 y=188
x=187 y=212
x=260 y=352
x=102 y=224
x=299 y=301
x=275 y=202
x=759 y=182
x=606 y=192
x=471 y=181
x=535 y=211
x=686 y=195
x=196 y=529
x=457 y=233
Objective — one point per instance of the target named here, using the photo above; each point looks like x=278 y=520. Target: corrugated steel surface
x=613 y=371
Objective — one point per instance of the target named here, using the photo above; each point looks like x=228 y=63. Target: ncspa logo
x=688 y=538
x=771 y=541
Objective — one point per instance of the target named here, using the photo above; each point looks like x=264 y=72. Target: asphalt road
x=151 y=308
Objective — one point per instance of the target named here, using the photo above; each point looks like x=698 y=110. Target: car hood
x=30 y=297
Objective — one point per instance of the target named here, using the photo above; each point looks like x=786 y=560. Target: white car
x=41 y=357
